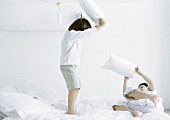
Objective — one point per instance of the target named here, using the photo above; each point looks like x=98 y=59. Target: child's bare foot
x=137 y=113
x=155 y=98
x=70 y=113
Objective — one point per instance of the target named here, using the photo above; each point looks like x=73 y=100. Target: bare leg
x=124 y=108
x=137 y=94
x=71 y=100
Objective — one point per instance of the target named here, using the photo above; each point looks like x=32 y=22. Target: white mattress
x=95 y=108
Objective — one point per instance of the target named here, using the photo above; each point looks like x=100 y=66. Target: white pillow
x=120 y=66
x=92 y=10
x=37 y=90
x=8 y=89
x=19 y=104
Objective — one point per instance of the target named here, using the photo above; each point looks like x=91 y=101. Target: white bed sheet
x=95 y=108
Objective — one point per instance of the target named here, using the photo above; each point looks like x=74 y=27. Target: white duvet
x=95 y=108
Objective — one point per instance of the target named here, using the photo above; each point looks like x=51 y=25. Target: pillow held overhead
x=120 y=66
x=92 y=10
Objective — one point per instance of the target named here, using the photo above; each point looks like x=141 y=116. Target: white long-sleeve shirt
x=71 y=46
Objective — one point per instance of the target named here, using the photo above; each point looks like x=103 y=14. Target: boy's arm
x=77 y=35
x=125 y=84
x=146 y=78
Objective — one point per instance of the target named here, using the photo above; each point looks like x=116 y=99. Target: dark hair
x=145 y=84
x=80 y=25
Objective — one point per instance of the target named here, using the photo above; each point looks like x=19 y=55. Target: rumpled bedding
x=94 y=108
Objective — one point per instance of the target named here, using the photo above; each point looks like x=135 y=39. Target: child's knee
x=130 y=95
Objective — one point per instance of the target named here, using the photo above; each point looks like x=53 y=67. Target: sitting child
x=142 y=100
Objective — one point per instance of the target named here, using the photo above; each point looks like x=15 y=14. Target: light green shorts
x=71 y=76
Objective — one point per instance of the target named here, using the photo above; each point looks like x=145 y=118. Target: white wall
x=138 y=32
x=165 y=48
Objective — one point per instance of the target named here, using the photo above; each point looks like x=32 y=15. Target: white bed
x=31 y=105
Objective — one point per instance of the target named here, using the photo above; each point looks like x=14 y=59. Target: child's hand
x=126 y=78
x=137 y=70
x=102 y=22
